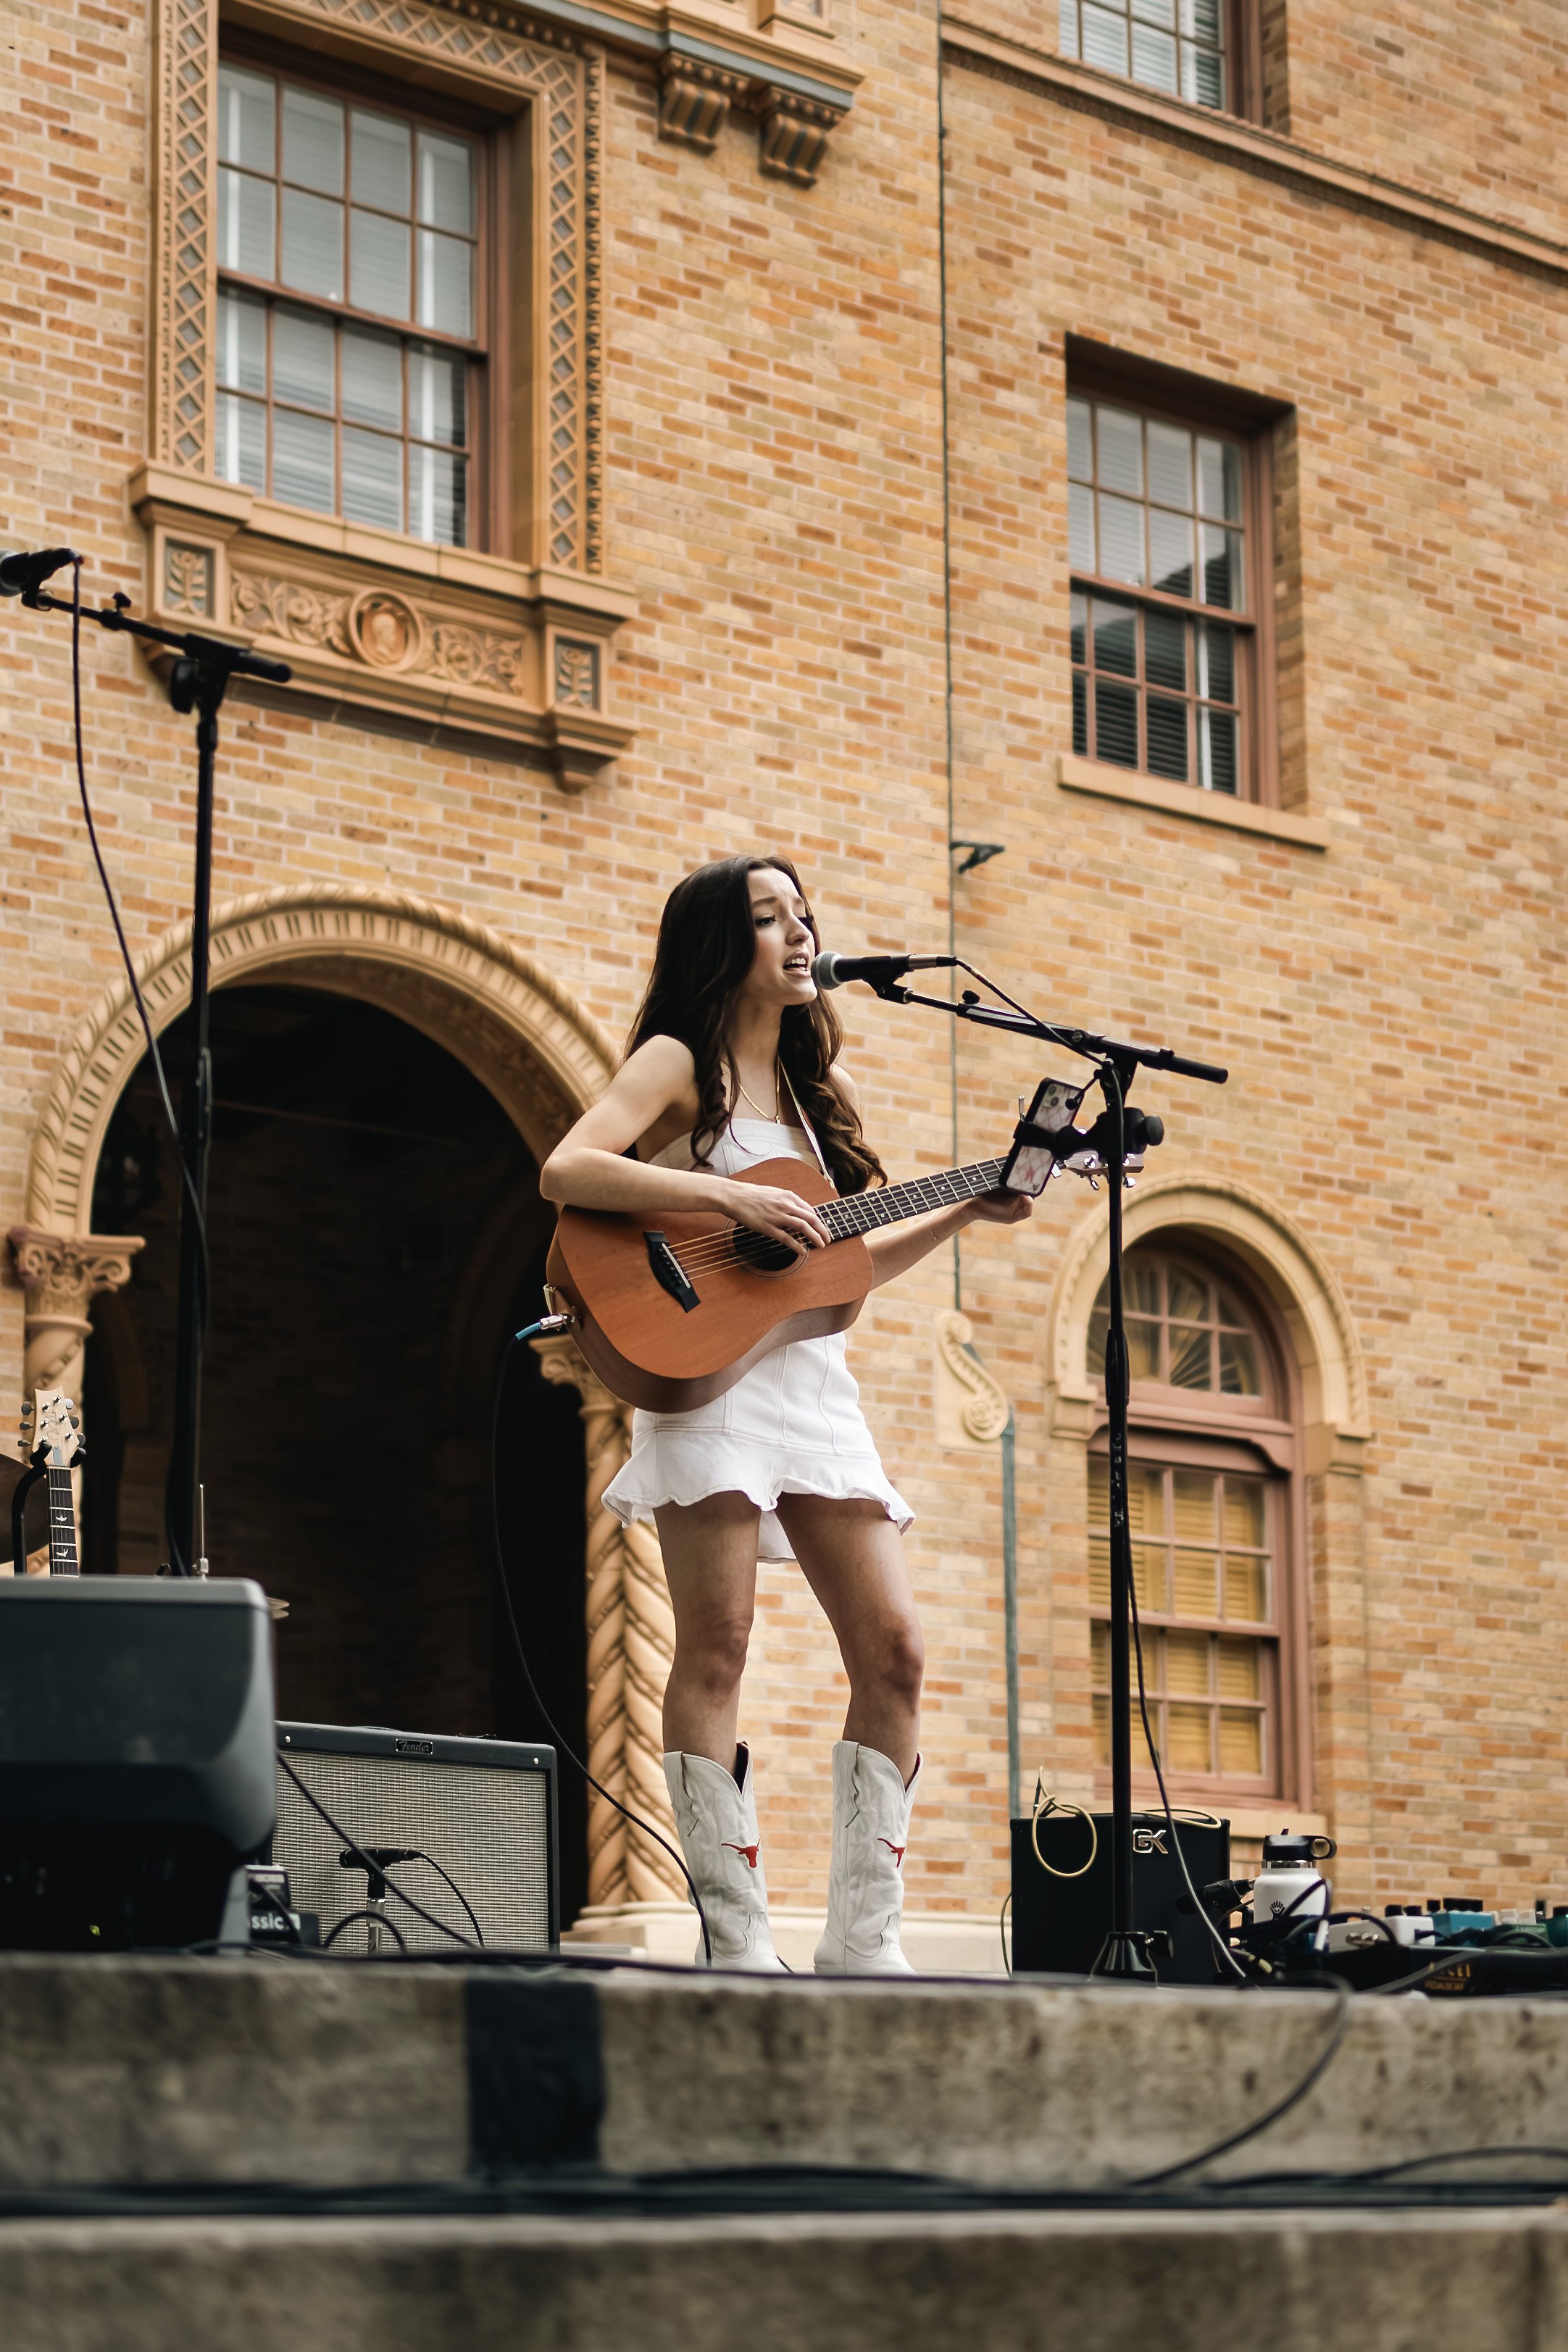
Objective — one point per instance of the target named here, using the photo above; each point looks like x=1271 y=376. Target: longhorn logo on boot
x=898 y=1852
x=750 y=1852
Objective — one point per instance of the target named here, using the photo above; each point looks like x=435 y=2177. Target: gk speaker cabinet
x=1059 y=1924
x=483 y=1809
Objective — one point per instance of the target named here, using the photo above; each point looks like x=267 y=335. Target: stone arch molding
x=489 y=1002
x=1281 y=1260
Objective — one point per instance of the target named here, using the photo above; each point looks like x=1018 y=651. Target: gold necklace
x=773 y=1118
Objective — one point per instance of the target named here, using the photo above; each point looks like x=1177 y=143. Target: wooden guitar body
x=654 y=1351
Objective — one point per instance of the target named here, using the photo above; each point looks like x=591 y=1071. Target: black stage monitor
x=1060 y=1922
x=136 y=1757
x=482 y=1812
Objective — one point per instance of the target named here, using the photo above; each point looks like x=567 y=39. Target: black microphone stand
x=1125 y=1952
x=199 y=681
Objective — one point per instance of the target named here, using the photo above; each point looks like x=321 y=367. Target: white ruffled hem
x=641 y=1486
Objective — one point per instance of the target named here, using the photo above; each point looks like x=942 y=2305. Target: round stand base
x=1125 y=1955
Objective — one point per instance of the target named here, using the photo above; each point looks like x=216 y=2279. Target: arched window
x=1212 y=1449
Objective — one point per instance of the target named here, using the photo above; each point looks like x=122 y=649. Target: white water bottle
x=1290 y=1888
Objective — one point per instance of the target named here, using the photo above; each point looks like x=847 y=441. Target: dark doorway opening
x=375 y=1231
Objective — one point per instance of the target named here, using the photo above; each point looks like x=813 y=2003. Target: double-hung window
x=1163 y=523
x=1211 y=1511
x=1201 y=50
x=350 y=346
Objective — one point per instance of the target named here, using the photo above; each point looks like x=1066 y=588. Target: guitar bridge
x=669 y=1272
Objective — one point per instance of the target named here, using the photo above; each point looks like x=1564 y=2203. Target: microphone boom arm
x=1084 y=1042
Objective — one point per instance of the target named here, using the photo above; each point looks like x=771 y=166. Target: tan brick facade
x=772 y=509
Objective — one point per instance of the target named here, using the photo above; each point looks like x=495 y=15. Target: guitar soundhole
x=762 y=1254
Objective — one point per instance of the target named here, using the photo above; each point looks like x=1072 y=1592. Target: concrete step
x=1184 y=2283
x=126 y=2071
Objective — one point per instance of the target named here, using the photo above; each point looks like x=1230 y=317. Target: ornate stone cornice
x=517 y=658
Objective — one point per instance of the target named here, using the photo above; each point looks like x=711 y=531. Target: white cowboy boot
x=871 y=1810
x=716 y=1814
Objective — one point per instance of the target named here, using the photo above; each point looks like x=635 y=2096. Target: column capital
x=61 y=1273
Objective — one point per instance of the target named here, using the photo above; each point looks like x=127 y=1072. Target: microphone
x=833 y=971
x=29 y=568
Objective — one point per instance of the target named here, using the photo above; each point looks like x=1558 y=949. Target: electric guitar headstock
x=52 y=1441
x=51 y=1432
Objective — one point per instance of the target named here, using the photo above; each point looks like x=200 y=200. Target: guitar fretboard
x=62 y=1524
x=891 y=1202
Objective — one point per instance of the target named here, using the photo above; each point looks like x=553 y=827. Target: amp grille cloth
x=489 y=1827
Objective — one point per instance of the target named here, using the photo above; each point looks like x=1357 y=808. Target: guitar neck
x=62 y=1524
x=890 y=1203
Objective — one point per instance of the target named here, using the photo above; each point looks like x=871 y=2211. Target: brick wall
x=773 y=495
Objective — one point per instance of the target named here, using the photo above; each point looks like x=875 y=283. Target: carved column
x=61 y=1274
x=631 y=1641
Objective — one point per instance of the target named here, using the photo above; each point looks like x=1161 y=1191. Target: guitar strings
x=705 y=1245
x=709 y=1252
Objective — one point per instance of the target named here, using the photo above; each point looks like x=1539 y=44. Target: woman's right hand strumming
x=782 y=1215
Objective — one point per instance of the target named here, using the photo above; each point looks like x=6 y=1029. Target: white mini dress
x=792 y=1425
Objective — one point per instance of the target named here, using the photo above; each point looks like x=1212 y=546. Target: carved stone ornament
x=289 y=609
x=471 y=647
x=577 y=674
x=631 y=1641
x=973 y=1408
x=694 y=100
x=61 y=1274
x=187 y=579
x=385 y=631
x=795 y=133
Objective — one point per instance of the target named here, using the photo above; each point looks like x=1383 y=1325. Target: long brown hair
x=707 y=944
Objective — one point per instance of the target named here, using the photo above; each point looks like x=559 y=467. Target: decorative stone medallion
x=384 y=630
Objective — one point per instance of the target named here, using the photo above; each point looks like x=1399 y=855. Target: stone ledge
x=1075 y=775
x=777 y=2282
x=232 y=2072
x=444 y=640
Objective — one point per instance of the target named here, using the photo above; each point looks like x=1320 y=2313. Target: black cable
x=365 y=1860
x=478 y=1931
x=530 y=1331
x=1270 y=2115
x=1451 y=2155
x=378 y=1918
x=1002 y=1931
x=182 y=1566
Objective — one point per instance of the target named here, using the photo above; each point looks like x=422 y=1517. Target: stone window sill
x=1075 y=775
x=441 y=641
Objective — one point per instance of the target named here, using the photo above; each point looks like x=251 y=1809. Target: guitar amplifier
x=1060 y=1922
x=481 y=1811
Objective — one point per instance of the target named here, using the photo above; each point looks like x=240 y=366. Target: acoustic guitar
x=670 y=1310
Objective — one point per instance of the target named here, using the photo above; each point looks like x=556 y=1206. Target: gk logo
x=1149 y=1842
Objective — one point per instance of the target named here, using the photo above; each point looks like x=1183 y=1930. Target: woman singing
x=733 y=1061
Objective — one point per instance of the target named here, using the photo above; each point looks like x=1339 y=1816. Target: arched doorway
x=497 y=1012
x=375 y=1229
